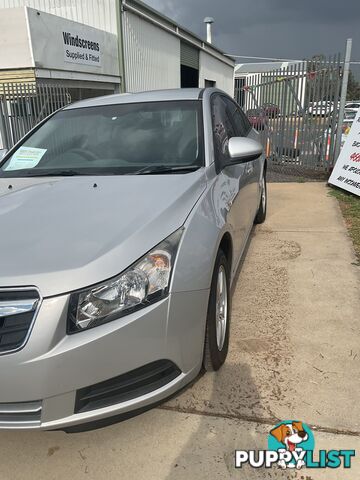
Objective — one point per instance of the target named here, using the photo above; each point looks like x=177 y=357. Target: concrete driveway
x=295 y=353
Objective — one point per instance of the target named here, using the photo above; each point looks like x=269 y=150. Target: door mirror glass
x=242 y=149
x=3 y=152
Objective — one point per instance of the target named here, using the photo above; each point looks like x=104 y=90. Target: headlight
x=145 y=282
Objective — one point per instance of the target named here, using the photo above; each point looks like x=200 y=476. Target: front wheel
x=218 y=316
x=261 y=213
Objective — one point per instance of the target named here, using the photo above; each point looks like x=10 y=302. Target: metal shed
x=159 y=53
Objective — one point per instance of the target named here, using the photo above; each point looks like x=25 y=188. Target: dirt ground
x=294 y=354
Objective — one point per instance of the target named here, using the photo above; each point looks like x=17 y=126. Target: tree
x=353 y=91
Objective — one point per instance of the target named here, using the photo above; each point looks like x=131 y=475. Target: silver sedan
x=123 y=221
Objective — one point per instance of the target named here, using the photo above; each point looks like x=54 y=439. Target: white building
x=251 y=79
x=41 y=47
x=139 y=49
x=158 y=53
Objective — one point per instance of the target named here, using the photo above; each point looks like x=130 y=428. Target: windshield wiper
x=56 y=173
x=165 y=169
x=159 y=169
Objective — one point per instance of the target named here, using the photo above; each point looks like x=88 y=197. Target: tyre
x=261 y=213
x=218 y=316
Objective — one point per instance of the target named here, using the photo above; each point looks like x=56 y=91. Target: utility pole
x=344 y=85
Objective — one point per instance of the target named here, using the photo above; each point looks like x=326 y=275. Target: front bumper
x=39 y=383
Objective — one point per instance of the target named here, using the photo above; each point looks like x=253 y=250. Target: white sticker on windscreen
x=25 y=157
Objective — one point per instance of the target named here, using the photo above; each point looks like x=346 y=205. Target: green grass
x=350 y=207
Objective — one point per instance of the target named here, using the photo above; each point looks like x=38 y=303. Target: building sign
x=56 y=47
x=80 y=50
x=346 y=173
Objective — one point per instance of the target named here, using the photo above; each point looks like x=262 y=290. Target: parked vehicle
x=123 y=219
x=321 y=109
x=257 y=118
x=349 y=114
x=295 y=143
x=271 y=110
x=352 y=106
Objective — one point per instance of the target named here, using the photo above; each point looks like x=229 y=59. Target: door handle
x=249 y=168
x=228 y=205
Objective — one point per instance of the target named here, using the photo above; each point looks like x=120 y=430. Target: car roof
x=141 y=97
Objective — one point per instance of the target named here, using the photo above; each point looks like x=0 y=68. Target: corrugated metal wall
x=17 y=76
x=96 y=13
x=213 y=69
x=189 y=55
x=152 y=56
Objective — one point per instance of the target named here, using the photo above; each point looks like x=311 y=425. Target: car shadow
x=243 y=258
x=221 y=422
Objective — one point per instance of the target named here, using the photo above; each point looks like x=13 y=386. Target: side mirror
x=242 y=149
x=3 y=152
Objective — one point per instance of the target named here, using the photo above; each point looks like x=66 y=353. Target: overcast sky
x=294 y=29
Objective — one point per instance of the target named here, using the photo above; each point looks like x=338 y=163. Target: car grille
x=126 y=387
x=20 y=415
x=17 y=313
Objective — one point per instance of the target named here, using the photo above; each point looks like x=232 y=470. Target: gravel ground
x=294 y=354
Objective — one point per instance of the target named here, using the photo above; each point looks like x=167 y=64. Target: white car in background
x=321 y=109
x=350 y=114
x=353 y=106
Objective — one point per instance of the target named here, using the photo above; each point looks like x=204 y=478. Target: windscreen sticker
x=25 y=157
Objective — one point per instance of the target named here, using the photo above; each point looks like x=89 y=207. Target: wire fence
x=295 y=110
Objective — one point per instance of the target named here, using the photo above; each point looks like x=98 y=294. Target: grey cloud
x=272 y=28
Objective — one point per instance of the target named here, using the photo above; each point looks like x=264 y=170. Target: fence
x=295 y=110
x=23 y=105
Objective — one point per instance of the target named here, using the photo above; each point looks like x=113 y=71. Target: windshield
x=112 y=140
x=350 y=115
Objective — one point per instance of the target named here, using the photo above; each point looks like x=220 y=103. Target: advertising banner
x=346 y=173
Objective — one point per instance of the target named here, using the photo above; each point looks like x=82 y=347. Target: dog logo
x=291 y=445
x=291 y=436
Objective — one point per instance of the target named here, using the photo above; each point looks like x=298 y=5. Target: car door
x=231 y=179
x=253 y=168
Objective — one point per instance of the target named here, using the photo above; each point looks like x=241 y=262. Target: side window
x=242 y=123
x=240 y=120
x=222 y=127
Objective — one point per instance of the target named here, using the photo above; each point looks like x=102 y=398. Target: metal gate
x=23 y=105
x=295 y=111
